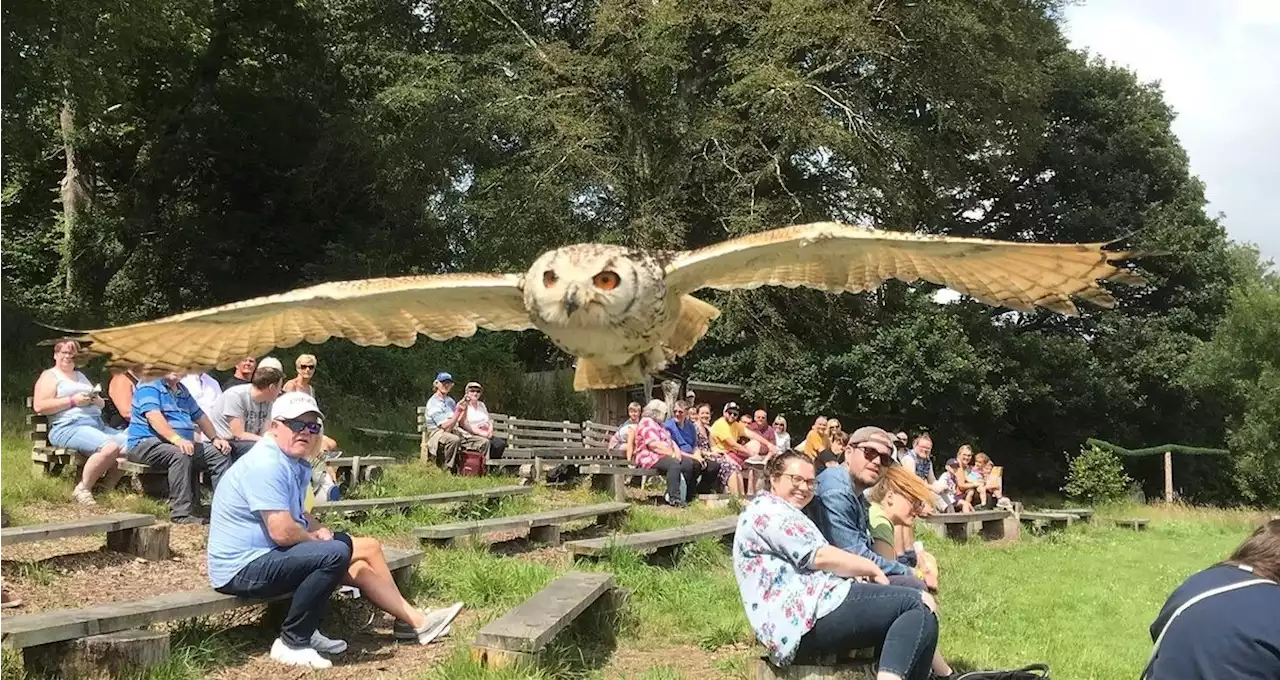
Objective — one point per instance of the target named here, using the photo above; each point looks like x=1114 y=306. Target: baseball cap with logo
x=290 y=405
x=732 y=406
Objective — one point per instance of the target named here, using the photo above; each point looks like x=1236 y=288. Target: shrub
x=1096 y=476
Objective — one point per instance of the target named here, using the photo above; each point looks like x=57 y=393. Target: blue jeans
x=87 y=436
x=891 y=618
x=311 y=570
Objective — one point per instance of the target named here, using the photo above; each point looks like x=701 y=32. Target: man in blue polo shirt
x=162 y=436
x=262 y=543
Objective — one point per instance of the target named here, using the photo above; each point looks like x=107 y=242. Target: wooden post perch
x=1168 y=476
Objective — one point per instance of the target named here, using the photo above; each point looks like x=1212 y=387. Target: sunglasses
x=307 y=367
x=872 y=454
x=297 y=426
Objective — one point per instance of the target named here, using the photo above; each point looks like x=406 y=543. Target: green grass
x=1080 y=600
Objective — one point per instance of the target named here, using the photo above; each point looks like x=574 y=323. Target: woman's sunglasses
x=307 y=367
x=297 y=426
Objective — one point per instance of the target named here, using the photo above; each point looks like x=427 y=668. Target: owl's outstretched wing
x=388 y=311
x=839 y=258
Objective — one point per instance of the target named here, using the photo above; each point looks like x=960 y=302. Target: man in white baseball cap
x=263 y=544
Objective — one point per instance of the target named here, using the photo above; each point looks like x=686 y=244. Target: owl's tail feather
x=695 y=318
x=596 y=375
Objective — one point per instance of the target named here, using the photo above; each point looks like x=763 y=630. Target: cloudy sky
x=1218 y=62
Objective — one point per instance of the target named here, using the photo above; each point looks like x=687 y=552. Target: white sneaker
x=298 y=657
x=320 y=643
x=437 y=623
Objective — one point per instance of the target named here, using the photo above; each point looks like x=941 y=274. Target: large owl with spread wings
x=623 y=312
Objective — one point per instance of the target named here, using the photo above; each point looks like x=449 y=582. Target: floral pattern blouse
x=650 y=431
x=773 y=552
x=704 y=438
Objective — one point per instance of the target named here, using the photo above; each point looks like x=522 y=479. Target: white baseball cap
x=290 y=405
x=271 y=362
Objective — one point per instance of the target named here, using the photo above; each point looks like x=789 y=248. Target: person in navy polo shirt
x=262 y=543
x=162 y=435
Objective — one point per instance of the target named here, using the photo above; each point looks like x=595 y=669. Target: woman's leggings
x=892 y=618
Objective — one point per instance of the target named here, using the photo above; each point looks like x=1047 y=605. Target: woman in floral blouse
x=654 y=449
x=806 y=598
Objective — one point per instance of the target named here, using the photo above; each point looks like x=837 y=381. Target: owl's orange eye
x=606 y=280
x=549 y=278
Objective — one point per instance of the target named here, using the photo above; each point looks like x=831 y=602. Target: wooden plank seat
x=352 y=470
x=1132 y=523
x=127 y=532
x=51 y=460
x=522 y=633
x=993 y=525
x=543 y=527
x=649 y=541
x=1047 y=519
x=1083 y=514
x=42 y=628
x=357 y=505
x=597 y=435
x=380 y=434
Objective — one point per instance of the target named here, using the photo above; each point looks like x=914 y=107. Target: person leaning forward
x=263 y=544
x=444 y=436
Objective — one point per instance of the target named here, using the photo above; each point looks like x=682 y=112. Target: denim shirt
x=783 y=594
x=843 y=516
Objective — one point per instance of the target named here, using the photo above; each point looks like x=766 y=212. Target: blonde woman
x=305 y=365
x=897 y=500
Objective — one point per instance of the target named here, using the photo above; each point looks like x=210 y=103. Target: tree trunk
x=75 y=194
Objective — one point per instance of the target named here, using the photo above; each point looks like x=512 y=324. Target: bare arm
x=44 y=397
x=236 y=425
x=161 y=426
x=832 y=559
x=120 y=389
x=283 y=529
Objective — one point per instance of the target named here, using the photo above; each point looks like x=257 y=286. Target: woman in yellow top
x=816 y=441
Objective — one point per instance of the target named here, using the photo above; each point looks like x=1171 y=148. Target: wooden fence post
x=1168 y=476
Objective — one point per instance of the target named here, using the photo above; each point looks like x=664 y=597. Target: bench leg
x=549 y=534
x=1012 y=527
x=371 y=473
x=614 y=520
x=114 y=655
x=149 y=542
x=403 y=578
x=993 y=530
x=957 y=531
x=501 y=658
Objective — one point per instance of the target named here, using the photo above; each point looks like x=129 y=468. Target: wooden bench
x=1132 y=523
x=1082 y=514
x=993 y=525
x=43 y=629
x=130 y=533
x=649 y=541
x=359 y=505
x=543 y=527
x=1048 y=519
x=351 y=470
x=522 y=633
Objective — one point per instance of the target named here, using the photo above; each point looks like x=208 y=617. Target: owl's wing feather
x=839 y=258
x=380 y=312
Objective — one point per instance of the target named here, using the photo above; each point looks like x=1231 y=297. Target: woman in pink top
x=655 y=450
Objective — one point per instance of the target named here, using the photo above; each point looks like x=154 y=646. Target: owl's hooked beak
x=572 y=300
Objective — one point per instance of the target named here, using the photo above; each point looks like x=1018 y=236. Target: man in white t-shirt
x=241 y=413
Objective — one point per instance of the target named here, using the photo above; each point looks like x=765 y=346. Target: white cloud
x=1217 y=64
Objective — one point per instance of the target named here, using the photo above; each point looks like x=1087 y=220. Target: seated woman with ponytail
x=807 y=599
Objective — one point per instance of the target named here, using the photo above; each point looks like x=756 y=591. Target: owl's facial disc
x=573 y=299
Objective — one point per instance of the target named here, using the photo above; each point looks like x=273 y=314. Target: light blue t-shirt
x=264 y=478
x=439 y=410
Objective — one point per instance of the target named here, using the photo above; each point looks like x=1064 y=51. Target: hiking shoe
x=83 y=496
x=320 y=643
x=437 y=625
x=298 y=657
x=8 y=598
